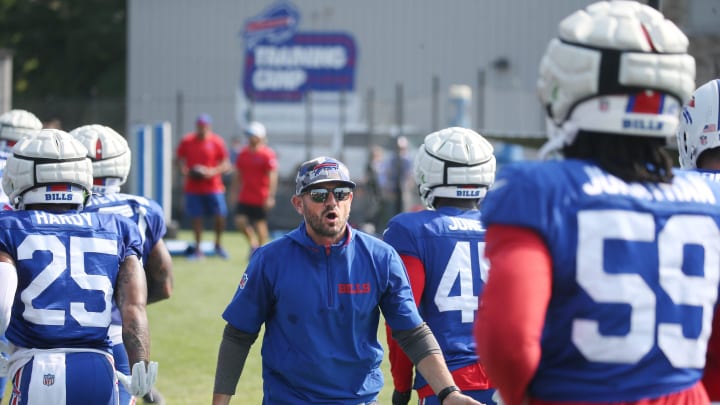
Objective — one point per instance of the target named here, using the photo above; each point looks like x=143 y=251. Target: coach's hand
x=142 y=379
x=401 y=398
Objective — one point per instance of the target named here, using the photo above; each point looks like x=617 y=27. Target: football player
x=604 y=265
x=111 y=161
x=698 y=141
x=63 y=268
x=442 y=249
x=14 y=124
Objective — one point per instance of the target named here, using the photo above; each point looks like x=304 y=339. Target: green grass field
x=186 y=329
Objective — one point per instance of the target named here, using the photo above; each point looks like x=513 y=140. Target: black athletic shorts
x=253 y=212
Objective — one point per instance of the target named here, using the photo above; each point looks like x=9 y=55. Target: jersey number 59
x=597 y=227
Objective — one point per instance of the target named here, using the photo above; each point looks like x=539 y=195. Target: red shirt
x=209 y=152
x=254 y=168
x=711 y=378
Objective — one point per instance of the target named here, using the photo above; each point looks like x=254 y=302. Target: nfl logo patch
x=703 y=139
x=243 y=281
x=48 y=379
x=603 y=104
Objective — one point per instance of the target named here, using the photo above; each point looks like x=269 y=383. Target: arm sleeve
x=711 y=376
x=513 y=303
x=234 y=349
x=401 y=368
x=417 y=343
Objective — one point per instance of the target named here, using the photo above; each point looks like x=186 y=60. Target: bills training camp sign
x=282 y=64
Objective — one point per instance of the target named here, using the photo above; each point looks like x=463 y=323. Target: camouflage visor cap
x=321 y=170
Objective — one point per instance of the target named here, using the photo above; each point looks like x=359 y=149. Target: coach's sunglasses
x=320 y=195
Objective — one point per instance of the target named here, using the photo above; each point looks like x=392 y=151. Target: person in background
x=254 y=185
x=604 y=264
x=52 y=123
x=14 y=124
x=111 y=161
x=396 y=178
x=698 y=142
x=202 y=158
x=60 y=271
x=442 y=249
x=371 y=183
x=319 y=291
x=236 y=145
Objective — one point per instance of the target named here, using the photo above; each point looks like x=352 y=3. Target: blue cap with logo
x=204 y=119
x=322 y=169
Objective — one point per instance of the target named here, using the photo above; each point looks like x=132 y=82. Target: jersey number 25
x=79 y=246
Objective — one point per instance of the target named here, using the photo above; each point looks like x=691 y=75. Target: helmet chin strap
x=558 y=136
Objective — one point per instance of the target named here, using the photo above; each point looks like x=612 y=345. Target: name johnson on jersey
x=690 y=188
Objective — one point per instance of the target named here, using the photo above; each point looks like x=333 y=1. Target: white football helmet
x=15 y=124
x=49 y=168
x=617 y=67
x=699 y=128
x=110 y=156
x=455 y=163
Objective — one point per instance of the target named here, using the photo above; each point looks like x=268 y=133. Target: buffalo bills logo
x=275 y=25
x=324 y=167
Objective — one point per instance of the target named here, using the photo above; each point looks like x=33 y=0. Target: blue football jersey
x=67 y=265
x=450 y=244
x=146 y=213
x=636 y=269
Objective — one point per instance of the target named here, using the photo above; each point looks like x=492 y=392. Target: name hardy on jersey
x=712 y=176
x=687 y=189
x=45 y=218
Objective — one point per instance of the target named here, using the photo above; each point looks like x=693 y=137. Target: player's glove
x=141 y=380
x=401 y=398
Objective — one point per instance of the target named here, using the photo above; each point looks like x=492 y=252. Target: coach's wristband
x=445 y=392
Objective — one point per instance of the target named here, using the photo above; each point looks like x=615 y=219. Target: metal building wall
x=185 y=56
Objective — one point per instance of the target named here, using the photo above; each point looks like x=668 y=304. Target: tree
x=65 y=48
